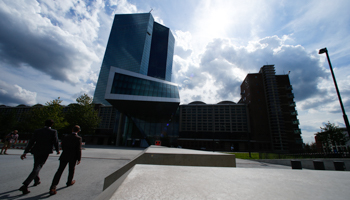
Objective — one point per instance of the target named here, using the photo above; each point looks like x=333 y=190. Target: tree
x=36 y=117
x=310 y=147
x=331 y=135
x=83 y=114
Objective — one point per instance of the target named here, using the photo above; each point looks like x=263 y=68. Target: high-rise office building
x=272 y=113
x=137 y=44
x=135 y=78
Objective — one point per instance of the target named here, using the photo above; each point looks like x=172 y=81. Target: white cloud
x=15 y=94
x=122 y=6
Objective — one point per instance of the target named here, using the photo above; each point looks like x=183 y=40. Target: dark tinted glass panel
x=128 y=48
x=159 y=52
x=124 y=84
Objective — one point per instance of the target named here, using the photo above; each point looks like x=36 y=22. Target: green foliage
x=36 y=117
x=310 y=148
x=330 y=134
x=83 y=114
x=54 y=111
x=84 y=100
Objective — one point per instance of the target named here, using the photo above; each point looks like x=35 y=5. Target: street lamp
x=324 y=50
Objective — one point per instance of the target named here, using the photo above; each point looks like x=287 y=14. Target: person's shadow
x=7 y=195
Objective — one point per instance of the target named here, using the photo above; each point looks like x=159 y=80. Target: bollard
x=296 y=164
x=318 y=165
x=339 y=166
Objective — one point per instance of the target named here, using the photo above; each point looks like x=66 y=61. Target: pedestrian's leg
x=71 y=172
x=57 y=177
x=2 y=149
x=6 y=143
x=39 y=161
x=37 y=179
x=7 y=146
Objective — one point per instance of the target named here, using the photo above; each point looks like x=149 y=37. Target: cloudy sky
x=51 y=49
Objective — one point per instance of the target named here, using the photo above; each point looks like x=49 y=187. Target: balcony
x=299 y=141
x=296 y=122
x=294 y=112
x=297 y=131
x=290 y=95
x=289 y=87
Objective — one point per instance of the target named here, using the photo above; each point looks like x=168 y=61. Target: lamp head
x=324 y=50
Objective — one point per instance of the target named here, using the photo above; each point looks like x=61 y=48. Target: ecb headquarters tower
x=135 y=78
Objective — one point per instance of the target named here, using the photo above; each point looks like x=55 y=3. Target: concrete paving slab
x=186 y=182
x=97 y=163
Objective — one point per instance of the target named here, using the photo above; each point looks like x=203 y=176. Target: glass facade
x=128 y=48
x=107 y=115
x=169 y=63
x=161 y=59
x=138 y=44
x=149 y=131
x=124 y=84
x=130 y=42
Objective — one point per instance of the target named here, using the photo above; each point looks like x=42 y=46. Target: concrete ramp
x=159 y=155
x=150 y=182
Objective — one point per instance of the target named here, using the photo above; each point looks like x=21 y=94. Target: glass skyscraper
x=135 y=78
x=138 y=44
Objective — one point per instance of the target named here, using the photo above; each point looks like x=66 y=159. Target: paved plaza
x=249 y=180
x=97 y=163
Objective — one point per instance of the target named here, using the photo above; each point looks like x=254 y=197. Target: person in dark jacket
x=71 y=146
x=41 y=145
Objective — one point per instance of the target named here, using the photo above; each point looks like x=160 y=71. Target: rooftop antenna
x=151 y=10
x=288 y=72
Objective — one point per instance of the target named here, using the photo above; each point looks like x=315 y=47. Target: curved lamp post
x=324 y=50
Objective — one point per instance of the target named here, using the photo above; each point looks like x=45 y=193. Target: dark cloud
x=44 y=47
x=220 y=58
x=231 y=88
x=305 y=69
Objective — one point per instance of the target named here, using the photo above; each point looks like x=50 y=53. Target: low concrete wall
x=156 y=155
x=189 y=160
x=308 y=163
